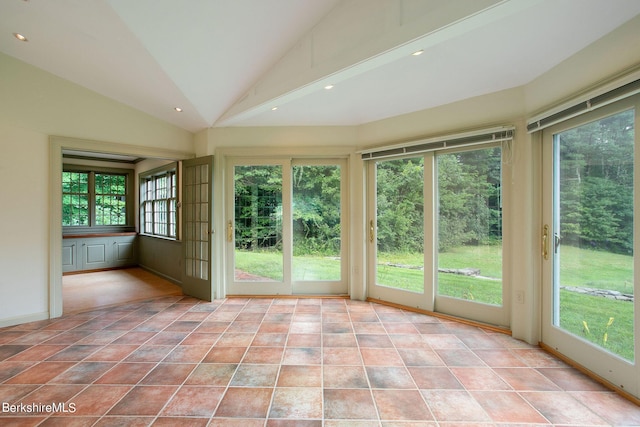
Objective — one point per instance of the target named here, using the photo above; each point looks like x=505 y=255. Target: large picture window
x=158 y=202
x=96 y=198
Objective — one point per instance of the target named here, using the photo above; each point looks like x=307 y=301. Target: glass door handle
x=230 y=231
x=371 y=231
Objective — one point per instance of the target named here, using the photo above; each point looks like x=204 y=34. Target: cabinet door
x=69 y=255
x=95 y=254
x=124 y=251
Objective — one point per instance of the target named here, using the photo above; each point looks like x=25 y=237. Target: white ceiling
x=207 y=55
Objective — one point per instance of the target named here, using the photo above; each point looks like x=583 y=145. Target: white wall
x=36 y=105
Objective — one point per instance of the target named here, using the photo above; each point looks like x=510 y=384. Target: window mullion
x=92 y=199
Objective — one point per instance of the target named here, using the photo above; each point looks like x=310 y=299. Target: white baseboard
x=18 y=320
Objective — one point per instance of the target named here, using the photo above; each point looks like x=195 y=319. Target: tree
x=316 y=209
x=469 y=198
x=596 y=184
x=258 y=207
x=400 y=204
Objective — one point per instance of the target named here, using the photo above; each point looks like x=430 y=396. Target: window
x=75 y=198
x=96 y=198
x=158 y=202
x=111 y=199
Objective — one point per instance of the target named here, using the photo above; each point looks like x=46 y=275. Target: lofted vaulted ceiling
x=232 y=62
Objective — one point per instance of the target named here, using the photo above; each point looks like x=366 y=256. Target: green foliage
x=469 y=201
x=108 y=191
x=596 y=184
x=258 y=207
x=316 y=210
x=469 y=198
x=400 y=205
x=468 y=195
x=75 y=198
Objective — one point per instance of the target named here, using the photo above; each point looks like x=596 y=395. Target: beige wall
x=44 y=103
x=36 y=105
x=24 y=245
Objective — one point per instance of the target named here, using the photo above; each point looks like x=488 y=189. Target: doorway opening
x=63 y=150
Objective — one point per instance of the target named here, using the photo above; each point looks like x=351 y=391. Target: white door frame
x=424 y=300
x=287 y=286
x=429 y=300
x=621 y=373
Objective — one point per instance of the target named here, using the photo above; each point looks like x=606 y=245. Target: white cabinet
x=97 y=252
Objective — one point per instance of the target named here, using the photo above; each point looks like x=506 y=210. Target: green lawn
x=595 y=269
x=268 y=264
x=596 y=312
x=600 y=270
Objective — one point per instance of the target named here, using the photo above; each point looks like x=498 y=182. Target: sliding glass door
x=469 y=224
x=589 y=237
x=285 y=227
x=435 y=232
x=396 y=231
x=256 y=229
x=318 y=193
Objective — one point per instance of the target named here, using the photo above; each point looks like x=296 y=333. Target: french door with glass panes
x=435 y=232
x=197 y=208
x=589 y=235
x=286 y=226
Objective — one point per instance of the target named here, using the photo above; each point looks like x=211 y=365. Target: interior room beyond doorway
x=100 y=289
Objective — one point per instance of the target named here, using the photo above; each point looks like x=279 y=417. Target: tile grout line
x=226 y=388
x=407 y=368
x=186 y=378
x=51 y=415
x=364 y=367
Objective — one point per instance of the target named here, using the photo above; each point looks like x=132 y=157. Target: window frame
x=170 y=172
x=93 y=227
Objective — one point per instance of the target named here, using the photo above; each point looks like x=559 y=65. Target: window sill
x=153 y=236
x=89 y=235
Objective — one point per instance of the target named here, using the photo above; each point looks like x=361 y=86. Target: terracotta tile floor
x=178 y=361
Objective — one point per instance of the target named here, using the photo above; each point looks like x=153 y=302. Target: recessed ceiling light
x=274 y=108
x=178 y=109
x=20 y=37
x=327 y=87
x=418 y=52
